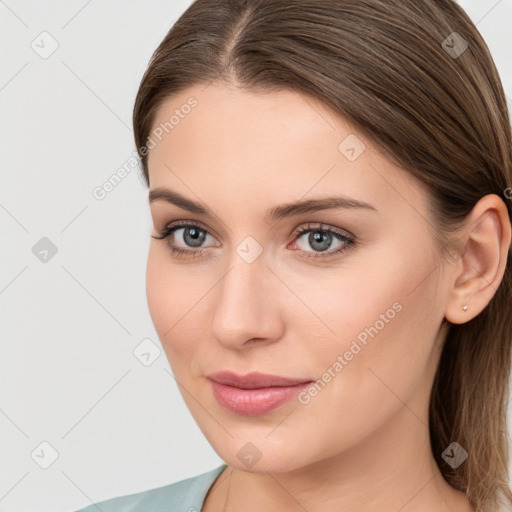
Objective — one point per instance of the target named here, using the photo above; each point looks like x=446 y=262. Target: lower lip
x=254 y=402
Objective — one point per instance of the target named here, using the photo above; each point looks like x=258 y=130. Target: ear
x=480 y=268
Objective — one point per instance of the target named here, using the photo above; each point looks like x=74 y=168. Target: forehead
x=227 y=119
x=275 y=146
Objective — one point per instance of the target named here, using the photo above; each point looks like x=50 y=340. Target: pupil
x=196 y=236
x=320 y=237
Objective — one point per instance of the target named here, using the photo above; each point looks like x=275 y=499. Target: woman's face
x=354 y=303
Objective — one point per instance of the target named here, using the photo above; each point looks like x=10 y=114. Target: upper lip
x=253 y=380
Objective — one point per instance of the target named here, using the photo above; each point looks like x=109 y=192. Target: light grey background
x=69 y=325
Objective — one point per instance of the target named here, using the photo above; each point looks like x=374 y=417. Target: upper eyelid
x=322 y=227
x=184 y=224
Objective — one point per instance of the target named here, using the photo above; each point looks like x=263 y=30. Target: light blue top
x=184 y=496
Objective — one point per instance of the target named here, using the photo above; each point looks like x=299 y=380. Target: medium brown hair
x=389 y=68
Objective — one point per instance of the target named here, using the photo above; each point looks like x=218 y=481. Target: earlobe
x=481 y=266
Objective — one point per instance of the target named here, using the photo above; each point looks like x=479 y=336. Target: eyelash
x=349 y=242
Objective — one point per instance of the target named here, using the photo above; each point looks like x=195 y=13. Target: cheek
x=174 y=293
x=385 y=323
x=158 y=285
x=374 y=364
x=388 y=297
x=359 y=301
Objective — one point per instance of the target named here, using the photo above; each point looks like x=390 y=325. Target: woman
x=329 y=183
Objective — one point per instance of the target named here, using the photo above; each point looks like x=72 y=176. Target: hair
x=385 y=67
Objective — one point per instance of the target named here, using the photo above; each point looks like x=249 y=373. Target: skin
x=362 y=442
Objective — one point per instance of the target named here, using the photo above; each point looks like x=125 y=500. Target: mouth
x=254 y=394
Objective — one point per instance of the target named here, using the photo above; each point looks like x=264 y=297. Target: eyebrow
x=273 y=214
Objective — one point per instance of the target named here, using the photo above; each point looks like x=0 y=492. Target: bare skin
x=361 y=443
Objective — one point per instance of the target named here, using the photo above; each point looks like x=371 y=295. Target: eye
x=192 y=235
x=320 y=238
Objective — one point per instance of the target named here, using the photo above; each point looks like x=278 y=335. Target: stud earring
x=465 y=308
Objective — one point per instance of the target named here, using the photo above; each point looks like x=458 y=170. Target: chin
x=261 y=455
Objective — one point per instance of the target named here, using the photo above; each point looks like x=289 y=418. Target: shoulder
x=187 y=494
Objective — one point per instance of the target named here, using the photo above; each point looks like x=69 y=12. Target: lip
x=254 y=380
x=255 y=393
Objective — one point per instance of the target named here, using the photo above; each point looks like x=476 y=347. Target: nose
x=246 y=306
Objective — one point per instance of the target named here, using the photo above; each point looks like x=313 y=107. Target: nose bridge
x=243 y=285
x=242 y=303
x=241 y=288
